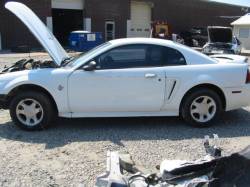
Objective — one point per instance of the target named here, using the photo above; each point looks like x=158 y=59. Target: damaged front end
x=28 y=64
x=218 y=48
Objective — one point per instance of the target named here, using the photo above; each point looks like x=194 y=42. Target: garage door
x=68 y=4
x=140 y=19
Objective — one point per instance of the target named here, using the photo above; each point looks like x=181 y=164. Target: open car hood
x=39 y=30
x=220 y=35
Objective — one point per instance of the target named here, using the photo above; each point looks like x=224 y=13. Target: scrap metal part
x=113 y=176
x=122 y=172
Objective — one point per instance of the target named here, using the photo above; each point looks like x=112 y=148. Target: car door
x=124 y=80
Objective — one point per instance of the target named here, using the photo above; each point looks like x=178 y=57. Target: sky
x=237 y=2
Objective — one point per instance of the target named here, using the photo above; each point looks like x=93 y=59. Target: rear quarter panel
x=227 y=77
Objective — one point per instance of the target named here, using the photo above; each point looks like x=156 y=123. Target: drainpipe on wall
x=87 y=24
x=128 y=28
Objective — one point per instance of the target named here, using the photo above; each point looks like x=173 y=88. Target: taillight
x=248 y=76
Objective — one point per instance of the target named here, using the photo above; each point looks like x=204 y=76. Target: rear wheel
x=201 y=107
x=32 y=110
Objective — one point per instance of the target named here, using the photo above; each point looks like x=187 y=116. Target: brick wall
x=100 y=10
x=183 y=15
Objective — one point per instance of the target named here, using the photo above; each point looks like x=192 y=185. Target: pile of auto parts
x=213 y=171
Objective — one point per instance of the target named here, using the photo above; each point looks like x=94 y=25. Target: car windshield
x=77 y=60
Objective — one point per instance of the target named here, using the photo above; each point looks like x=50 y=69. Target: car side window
x=155 y=56
x=139 y=56
x=130 y=56
x=172 y=57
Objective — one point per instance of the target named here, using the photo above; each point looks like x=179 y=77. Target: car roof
x=141 y=40
x=192 y=56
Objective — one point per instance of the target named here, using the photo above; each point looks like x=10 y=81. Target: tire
x=32 y=111
x=201 y=108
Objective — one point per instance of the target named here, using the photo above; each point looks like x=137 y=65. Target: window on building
x=244 y=33
x=138 y=56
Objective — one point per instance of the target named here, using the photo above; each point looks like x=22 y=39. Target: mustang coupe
x=121 y=78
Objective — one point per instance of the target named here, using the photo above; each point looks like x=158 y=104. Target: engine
x=28 y=64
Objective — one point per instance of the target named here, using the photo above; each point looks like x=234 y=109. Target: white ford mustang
x=121 y=78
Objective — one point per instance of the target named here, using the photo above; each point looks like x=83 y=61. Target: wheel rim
x=203 y=109
x=29 y=112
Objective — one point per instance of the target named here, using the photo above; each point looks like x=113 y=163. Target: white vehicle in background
x=121 y=78
x=221 y=41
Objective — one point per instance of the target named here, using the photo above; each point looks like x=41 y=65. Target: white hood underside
x=39 y=30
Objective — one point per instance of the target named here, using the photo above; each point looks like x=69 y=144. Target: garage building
x=114 y=18
x=242 y=30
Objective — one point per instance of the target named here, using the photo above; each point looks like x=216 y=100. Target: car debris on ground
x=214 y=170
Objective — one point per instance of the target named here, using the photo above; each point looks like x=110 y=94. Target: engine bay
x=28 y=64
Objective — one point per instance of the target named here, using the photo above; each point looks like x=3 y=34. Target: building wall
x=100 y=11
x=245 y=41
x=182 y=15
x=13 y=31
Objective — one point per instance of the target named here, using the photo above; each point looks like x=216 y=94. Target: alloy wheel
x=203 y=109
x=29 y=112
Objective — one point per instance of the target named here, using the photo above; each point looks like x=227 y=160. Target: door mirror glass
x=90 y=66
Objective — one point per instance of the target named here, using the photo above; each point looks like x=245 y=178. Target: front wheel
x=201 y=108
x=32 y=110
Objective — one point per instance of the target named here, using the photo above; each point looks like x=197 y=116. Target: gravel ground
x=73 y=152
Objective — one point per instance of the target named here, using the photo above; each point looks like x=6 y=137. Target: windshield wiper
x=66 y=61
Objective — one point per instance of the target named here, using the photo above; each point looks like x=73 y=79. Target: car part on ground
x=221 y=41
x=213 y=170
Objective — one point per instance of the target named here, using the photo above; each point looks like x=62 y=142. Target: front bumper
x=3 y=102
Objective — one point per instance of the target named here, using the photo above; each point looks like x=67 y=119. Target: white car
x=221 y=41
x=121 y=78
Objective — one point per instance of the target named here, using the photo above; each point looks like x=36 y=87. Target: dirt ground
x=73 y=152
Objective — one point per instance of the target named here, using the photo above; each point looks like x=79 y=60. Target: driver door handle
x=150 y=75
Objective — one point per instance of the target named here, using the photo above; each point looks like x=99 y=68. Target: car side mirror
x=90 y=67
